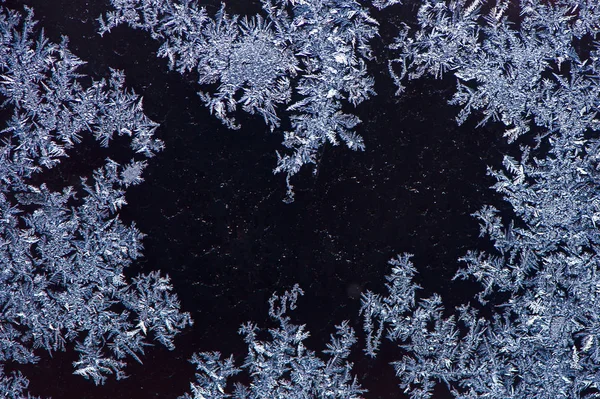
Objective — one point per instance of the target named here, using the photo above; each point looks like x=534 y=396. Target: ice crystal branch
x=281 y=367
x=63 y=253
x=541 y=340
x=312 y=49
x=511 y=75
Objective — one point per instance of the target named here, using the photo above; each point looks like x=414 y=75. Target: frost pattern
x=63 y=253
x=281 y=367
x=540 y=285
x=385 y=3
x=535 y=330
x=511 y=75
x=311 y=50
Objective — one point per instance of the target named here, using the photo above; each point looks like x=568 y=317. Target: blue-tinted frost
x=314 y=50
x=534 y=329
x=63 y=253
x=540 y=285
x=517 y=76
x=281 y=367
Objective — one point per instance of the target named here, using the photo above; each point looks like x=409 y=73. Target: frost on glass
x=306 y=57
x=385 y=3
x=280 y=367
x=533 y=331
x=63 y=253
x=517 y=74
x=542 y=342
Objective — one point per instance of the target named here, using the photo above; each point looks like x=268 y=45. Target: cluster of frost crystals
x=385 y=3
x=14 y=386
x=549 y=268
x=512 y=75
x=542 y=339
x=281 y=367
x=435 y=350
x=547 y=263
x=63 y=253
x=542 y=342
x=312 y=50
